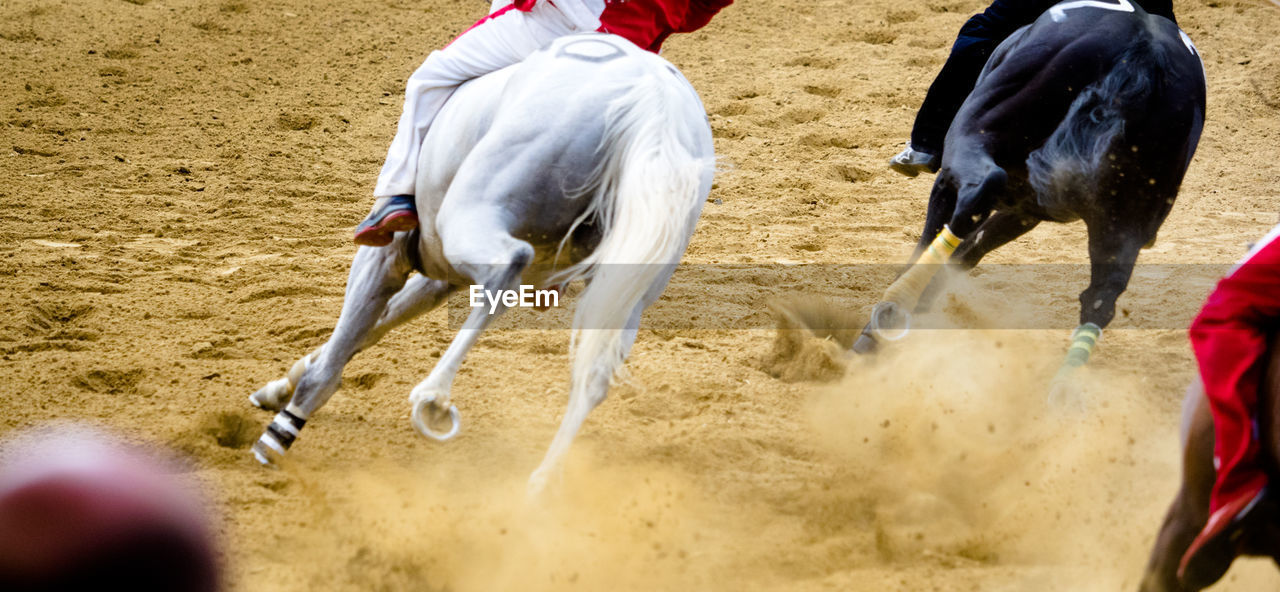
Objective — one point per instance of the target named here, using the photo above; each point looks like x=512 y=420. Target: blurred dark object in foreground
x=79 y=511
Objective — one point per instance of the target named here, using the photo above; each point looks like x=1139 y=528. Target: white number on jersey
x=1059 y=11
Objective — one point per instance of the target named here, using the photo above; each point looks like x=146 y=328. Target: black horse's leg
x=890 y=311
x=976 y=191
x=998 y=230
x=977 y=186
x=1112 y=255
x=942 y=204
x=969 y=193
x=1113 y=251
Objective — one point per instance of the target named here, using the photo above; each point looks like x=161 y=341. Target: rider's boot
x=1210 y=554
x=912 y=162
x=389 y=216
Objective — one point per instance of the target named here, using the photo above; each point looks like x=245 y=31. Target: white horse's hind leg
x=590 y=390
x=419 y=295
x=505 y=260
x=376 y=274
x=582 y=400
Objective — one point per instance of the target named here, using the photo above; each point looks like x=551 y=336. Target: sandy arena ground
x=179 y=183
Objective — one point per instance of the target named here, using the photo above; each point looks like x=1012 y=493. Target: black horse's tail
x=1077 y=154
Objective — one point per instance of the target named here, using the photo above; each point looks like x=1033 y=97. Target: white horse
x=591 y=152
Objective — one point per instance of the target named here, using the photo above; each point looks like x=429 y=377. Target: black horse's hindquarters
x=1095 y=118
x=978 y=40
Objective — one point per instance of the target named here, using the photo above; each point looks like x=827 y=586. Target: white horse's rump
x=593 y=139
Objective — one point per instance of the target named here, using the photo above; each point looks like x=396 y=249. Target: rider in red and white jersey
x=503 y=38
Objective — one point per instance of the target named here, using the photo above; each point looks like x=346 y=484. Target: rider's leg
x=495 y=42
x=978 y=38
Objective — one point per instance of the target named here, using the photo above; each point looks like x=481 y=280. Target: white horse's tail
x=646 y=201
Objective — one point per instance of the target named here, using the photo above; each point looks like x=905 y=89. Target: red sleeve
x=1250 y=294
x=700 y=13
x=647 y=23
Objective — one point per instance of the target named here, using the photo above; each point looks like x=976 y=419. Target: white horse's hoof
x=262 y=459
x=545 y=481
x=537 y=484
x=266 y=454
x=273 y=396
x=427 y=410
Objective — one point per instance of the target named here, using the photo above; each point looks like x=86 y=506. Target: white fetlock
x=432 y=406
x=273 y=396
x=277 y=393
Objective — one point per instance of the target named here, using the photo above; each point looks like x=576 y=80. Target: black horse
x=1093 y=113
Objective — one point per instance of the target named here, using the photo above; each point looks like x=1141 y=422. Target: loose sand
x=178 y=187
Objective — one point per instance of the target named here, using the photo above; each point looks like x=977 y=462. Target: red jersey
x=647 y=23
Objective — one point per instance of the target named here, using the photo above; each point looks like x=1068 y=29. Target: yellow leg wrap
x=909 y=286
x=1083 y=340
